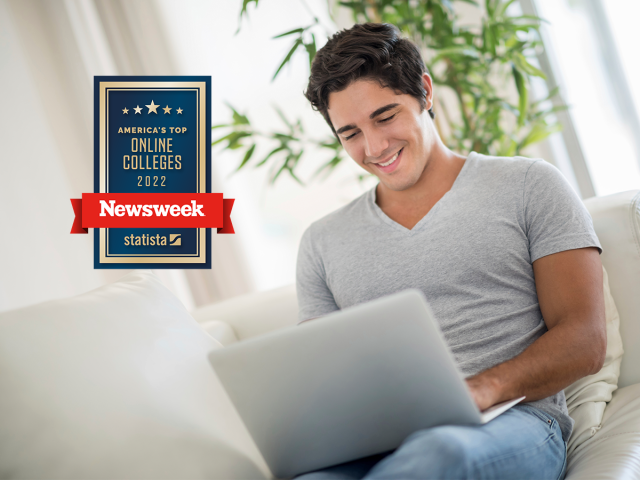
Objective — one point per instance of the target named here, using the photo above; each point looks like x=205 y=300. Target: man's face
x=387 y=134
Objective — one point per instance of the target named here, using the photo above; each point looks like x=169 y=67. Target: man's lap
x=523 y=442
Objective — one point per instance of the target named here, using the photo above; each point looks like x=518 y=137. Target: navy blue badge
x=152 y=134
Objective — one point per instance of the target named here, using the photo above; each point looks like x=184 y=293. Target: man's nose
x=374 y=145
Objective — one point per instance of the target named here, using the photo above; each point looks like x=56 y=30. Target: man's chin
x=396 y=184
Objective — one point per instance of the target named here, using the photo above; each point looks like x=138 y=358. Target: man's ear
x=427 y=83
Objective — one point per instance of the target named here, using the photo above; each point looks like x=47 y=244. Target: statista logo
x=174 y=240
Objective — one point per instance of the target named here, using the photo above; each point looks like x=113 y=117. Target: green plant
x=475 y=63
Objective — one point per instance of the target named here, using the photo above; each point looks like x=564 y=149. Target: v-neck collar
x=418 y=226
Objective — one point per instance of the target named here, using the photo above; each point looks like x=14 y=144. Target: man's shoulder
x=350 y=214
x=507 y=165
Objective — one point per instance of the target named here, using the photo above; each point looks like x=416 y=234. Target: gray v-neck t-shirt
x=471 y=256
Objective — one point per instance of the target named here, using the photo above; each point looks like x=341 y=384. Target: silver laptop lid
x=345 y=386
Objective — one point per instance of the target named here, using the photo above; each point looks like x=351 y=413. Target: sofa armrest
x=614 y=451
x=255 y=313
x=221 y=331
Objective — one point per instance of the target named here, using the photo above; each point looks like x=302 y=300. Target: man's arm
x=314 y=296
x=571 y=298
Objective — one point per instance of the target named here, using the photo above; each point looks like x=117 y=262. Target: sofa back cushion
x=588 y=397
x=253 y=314
x=616 y=219
x=116 y=383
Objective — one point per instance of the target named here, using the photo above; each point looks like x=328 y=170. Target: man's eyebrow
x=345 y=128
x=379 y=111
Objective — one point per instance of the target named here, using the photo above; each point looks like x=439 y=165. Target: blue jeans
x=522 y=443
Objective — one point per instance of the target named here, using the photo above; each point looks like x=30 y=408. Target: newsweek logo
x=152 y=210
x=147 y=210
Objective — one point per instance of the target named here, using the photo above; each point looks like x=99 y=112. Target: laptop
x=347 y=385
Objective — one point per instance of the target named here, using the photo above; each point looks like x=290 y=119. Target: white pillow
x=588 y=397
x=254 y=314
x=115 y=383
x=221 y=331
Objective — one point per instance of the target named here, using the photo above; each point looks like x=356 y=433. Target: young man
x=503 y=249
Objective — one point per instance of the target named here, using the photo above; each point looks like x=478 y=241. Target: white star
x=125 y=110
x=152 y=107
x=179 y=111
x=138 y=109
x=167 y=109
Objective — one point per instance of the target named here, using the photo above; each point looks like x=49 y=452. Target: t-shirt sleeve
x=555 y=218
x=314 y=296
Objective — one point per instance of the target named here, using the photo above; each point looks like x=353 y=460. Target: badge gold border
x=200 y=87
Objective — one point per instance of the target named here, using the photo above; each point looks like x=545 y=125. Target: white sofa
x=613 y=452
x=115 y=383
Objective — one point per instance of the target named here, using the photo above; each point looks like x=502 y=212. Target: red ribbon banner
x=152 y=210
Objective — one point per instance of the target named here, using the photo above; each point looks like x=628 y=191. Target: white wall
x=39 y=259
x=47 y=158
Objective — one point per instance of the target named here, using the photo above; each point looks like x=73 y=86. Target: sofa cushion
x=254 y=314
x=221 y=331
x=588 y=397
x=613 y=453
x=115 y=383
x=616 y=219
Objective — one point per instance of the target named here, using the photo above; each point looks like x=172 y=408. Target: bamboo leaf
x=311 y=49
x=280 y=170
x=295 y=46
x=247 y=157
x=529 y=17
x=272 y=152
x=523 y=65
x=243 y=11
x=290 y=32
x=488 y=39
x=238 y=118
x=215 y=142
x=284 y=119
x=329 y=166
x=554 y=91
x=233 y=139
x=453 y=52
x=523 y=95
x=503 y=8
x=283 y=137
x=539 y=133
x=294 y=176
x=288 y=165
x=245 y=4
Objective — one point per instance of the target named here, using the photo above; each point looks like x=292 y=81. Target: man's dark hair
x=369 y=51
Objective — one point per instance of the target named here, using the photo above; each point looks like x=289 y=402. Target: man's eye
x=383 y=120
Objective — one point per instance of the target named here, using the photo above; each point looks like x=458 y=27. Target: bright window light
x=608 y=139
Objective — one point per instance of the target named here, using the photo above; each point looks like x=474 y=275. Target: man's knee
x=443 y=452
x=447 y=443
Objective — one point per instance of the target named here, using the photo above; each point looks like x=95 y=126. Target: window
x=594 y=45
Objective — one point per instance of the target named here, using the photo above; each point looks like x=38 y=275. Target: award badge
x=152 y=205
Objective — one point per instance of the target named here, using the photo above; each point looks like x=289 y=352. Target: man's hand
x=570 y=294
x=483 y=393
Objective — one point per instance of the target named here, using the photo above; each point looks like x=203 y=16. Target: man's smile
x=391 y=164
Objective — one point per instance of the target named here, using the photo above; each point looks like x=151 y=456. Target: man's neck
x=408 y=207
